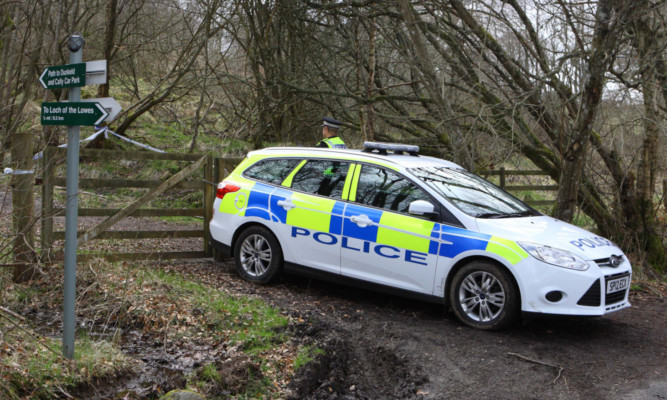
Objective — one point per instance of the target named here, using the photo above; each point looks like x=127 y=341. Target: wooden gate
x=548 y=185
x=206 y=171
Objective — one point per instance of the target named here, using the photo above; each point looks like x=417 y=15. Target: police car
x=388 y=218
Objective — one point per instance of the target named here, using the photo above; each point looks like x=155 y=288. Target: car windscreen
x=472 y=194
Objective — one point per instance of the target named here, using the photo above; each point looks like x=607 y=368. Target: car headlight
x=558 y=257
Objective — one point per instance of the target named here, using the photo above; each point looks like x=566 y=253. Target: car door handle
x=361 y=220
x=286 y=204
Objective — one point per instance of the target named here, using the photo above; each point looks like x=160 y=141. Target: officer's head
x=330 y=127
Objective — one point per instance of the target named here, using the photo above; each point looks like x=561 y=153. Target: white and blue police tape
x=9 y=171
x=106 y=132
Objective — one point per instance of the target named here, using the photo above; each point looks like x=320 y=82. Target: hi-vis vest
x=334 y=142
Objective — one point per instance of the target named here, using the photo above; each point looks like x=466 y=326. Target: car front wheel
x=257 y=255
x=484 y=296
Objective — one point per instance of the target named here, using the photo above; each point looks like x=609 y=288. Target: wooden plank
x=509 y=172
x=209 y=197
x=142 y=212
x=103 y=154
x=166 y=185
x=14 y=265
x=228 y=165
x=540 y=202
x=47 y=202
x=169 y=255
x=218 y=169
x=218 y=174
x=60 y=235
x=532 y=187
x=88 y=183
x=502 y=177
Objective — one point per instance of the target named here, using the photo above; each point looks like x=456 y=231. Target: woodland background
x=574 y=88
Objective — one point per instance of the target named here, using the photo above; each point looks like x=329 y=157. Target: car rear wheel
x=257 y=255
x=484 y=296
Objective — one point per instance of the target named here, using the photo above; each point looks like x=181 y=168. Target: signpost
x=74 y=113
x=71 y=113
x=109 y=104
x=71 y=210
x=64 y=76
x=96 y=72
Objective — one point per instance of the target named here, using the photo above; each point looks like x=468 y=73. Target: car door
x=381 y=242
x=313 y=213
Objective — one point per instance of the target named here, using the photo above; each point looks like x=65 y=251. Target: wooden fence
x=504 y=174
x=206 y=170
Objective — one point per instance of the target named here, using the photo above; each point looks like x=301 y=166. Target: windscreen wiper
x=504 y=215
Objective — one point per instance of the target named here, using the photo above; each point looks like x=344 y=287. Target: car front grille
x=610 y=262
x=592 y=296
x=611 y=298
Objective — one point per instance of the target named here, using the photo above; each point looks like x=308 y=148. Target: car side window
x=271 y=171
x=323 y=177
x=382 y=188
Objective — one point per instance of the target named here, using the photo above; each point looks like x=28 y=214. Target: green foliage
x=42 y=370
x=305 y=355
x=209 y=373
x=170 y=137
x=24 y=294
x=251 y=323
x=584 y=221
x=179 y=199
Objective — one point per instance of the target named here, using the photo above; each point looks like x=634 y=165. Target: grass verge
x=32 y=366
x=247 y=348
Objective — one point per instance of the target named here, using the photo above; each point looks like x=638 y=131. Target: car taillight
x=226 y=188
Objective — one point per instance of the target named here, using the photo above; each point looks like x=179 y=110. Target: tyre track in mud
x=380 y=346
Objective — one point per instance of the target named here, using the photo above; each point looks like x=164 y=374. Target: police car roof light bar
x=383 y=148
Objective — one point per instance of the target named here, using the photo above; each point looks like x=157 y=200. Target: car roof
x=400 y=160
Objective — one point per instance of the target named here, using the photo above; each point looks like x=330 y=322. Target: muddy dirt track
x=379 y=346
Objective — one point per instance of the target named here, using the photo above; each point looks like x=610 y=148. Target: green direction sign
x=64 y=76
x=73 y=114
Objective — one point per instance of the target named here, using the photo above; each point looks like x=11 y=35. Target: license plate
x=616 y=285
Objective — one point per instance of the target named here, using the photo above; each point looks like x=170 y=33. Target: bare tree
x=179 y=48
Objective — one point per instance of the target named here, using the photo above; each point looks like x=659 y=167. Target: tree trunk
x=574 y=157
x=23 y=201
x=370 y=112
x=432 y=83
x=109 y=34
x=649 y=163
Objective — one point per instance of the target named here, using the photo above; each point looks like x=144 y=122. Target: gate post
x=209 y=194
x=47 y=203
x=218 y=174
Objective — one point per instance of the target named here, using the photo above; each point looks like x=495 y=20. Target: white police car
x=389 y=218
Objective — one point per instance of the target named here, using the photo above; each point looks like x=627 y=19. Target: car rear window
x=379 y=187
x=323 y=177
x=271 y=171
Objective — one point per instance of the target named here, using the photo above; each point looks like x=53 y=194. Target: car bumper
x=224 y=250
x=546 y=289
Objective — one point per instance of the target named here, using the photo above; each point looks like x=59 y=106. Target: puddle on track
x=162 y=369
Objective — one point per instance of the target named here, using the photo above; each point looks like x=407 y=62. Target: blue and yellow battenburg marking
x=388 y=234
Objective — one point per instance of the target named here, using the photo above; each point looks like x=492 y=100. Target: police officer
x=330 y=128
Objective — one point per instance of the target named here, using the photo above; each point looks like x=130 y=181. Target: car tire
x=257 y=255
x=484 y=296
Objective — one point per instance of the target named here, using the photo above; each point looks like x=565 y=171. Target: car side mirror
x=422 y=208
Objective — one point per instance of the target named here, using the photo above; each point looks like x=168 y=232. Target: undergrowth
x=118 y=297
x=32 y=365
